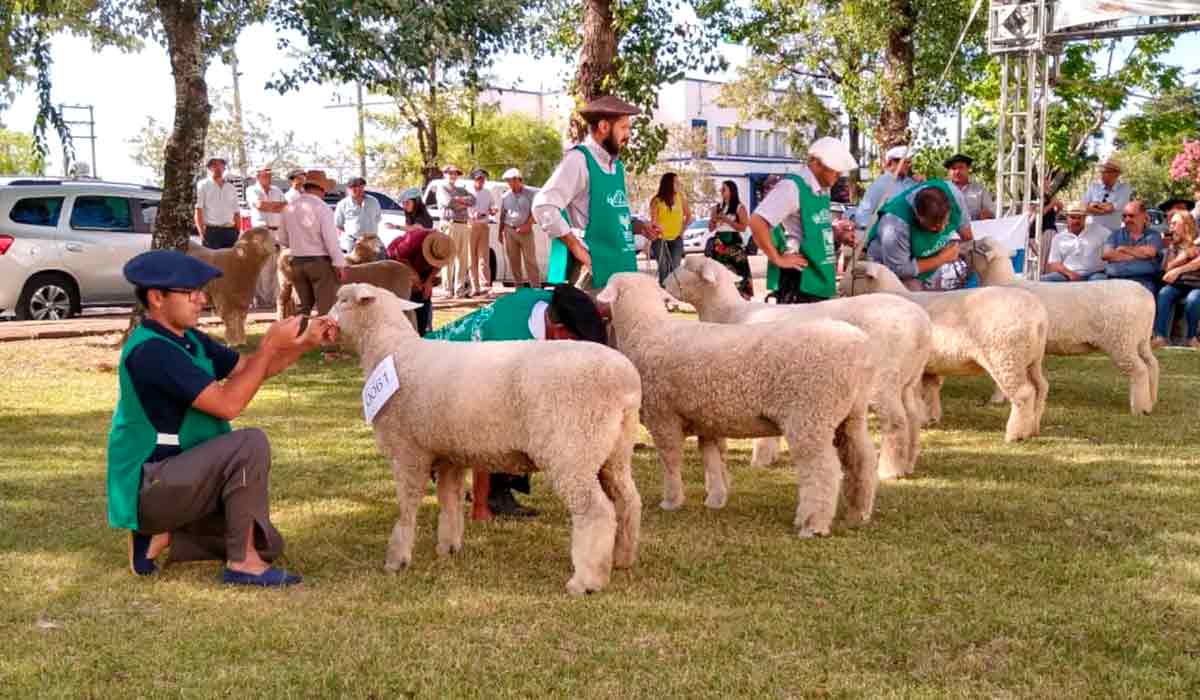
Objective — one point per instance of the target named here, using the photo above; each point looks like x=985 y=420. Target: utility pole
x=243 y=166
x=362 y=134
x=90 y=123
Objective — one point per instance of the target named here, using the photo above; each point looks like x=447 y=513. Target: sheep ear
x=408 y=305
x=870 y=272
x=608 y=295
x=709 y=274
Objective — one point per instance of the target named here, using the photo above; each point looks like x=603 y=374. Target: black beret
x=1189 y=203
x=958 y=158
x=573 y=308
x=168 y=269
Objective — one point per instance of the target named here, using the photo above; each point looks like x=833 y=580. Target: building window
x=781 y=145
x=763 y=143
x=724 y=138
x=700 y=138
x=743 y=142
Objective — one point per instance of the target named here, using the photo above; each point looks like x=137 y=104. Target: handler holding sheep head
x=178 y=474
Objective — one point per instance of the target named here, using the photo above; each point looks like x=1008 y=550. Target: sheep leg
x=860 y=472
x=1042 y=388
x=916 y=417
x=593 y=533
x=895 y=437
x=998 y=396
x=716 y=476
x=818 y=478
x=668 y=440
x=1133 y=365
x=450 y=509
x=1021 y=391
x=931 y=394
x=235 y=326
x=766 y=451
x=411 y=475
x=1151 y=360
x=616 y=478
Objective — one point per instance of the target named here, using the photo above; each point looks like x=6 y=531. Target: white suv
x=63 y=243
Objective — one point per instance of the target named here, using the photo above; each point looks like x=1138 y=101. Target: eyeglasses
x=191 y=294
x=1129 y=216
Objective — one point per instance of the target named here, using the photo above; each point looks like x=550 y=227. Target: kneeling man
x=566 y=313
x=178 y=474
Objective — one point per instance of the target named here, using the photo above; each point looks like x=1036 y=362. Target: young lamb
x=392 y=275
x=232 y=293
x=901 y=340
x=1115 y=317
x=1001 y=331
x=807 y=382
x=569 y=409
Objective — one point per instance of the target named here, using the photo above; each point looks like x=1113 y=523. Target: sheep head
x=698 y=279
x=869 y=277
x=254 y=245
x=366 y=249
x=365 y=313
x=992 y=260
x=634 y=296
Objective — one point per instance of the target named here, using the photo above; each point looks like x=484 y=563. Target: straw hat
x=438 y=249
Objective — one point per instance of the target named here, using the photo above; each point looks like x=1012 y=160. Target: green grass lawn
x=1064 y=567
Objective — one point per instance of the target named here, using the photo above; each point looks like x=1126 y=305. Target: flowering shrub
x=1186 y=165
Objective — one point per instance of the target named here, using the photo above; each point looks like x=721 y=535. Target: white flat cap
x=511 y=173
x=899 y=153
x=833 y=153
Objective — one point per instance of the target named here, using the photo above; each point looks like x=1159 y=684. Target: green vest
x=925 y=244
x=609 y=233
x=820 y=277
x=779 y=240
x=133 y=438
x=506 y=319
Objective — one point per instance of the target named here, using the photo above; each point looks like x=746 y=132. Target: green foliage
x=500 y=141
x=19 y=155
x=1150 y=139
x=978 y=142
x=694 y=176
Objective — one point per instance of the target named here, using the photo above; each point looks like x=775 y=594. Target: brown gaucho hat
x=608 y=106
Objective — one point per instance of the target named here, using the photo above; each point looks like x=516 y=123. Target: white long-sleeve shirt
x=307 y=228
x=567 y=189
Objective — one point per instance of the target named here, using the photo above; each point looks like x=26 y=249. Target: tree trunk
x=596 y=56
x=185 y=147
x=898 y=77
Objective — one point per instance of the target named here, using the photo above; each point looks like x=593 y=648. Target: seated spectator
x=1181 y=281
x=1132 y=251
x=1075 y=253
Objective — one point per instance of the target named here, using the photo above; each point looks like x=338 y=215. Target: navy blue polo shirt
x=166 y=381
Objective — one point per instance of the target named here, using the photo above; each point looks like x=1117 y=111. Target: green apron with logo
x=925 y=244
x=609 y=233
x=133 y=438
x=779 y=240
x=820 y=277
x=507 y=319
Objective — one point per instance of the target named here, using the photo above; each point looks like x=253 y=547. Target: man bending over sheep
x=566 y=313
x=178 y=474
x=917 y=233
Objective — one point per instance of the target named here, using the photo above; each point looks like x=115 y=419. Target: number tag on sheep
x=380 y=387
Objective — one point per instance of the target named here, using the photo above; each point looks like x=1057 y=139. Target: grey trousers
x=208 y=496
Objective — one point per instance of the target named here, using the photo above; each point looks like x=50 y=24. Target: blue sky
x=106 y=81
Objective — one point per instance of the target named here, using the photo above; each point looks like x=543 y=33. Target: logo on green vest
x=617 y=200
x=626 y=222
x=821 y=216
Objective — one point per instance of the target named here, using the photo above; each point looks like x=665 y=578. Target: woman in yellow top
x=669 y=209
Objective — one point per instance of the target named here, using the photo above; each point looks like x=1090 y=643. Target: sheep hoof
x=716 y=501
x=395 y=567
x=445 y=550
x=671 y=505
x=807 y=533
x=889 y=472
x=854 y=518
x=576 y=588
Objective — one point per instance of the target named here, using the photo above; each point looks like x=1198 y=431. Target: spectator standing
x=296 y=177
x=481 y=220
x=357 y=215
x=317 y=262
x=426 y=251
x=1106 y=199
x=897 y=177
x=216 y=207
x=516 y=230
x=1181 y=281
x=266 y=203
x=1132 y=251
x=1075 y=253
x=670 y=211
x=978 y=199
x=455 y=202
x=727 y=221
x=415 y=213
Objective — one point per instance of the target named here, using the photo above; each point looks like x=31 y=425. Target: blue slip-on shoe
x=139 y=563
x=271 y=578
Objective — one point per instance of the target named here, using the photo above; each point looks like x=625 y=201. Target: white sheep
x=1115 y=317
x=1000 y=331
x=901 y=340
x=806 y=382
x=569 y=409
x=232 y=293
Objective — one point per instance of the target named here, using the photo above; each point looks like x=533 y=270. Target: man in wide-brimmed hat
x=1106 y=199
x=318 y=265
x=589 y=187
x=426 y=251
x=977 y=197
x=216 y=207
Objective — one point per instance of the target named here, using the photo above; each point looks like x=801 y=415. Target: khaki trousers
x=208 y=496
x=316 y=283
x=480 y=269
x=522 y=257
x=455 y=276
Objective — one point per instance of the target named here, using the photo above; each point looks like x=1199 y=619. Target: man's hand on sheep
x=791 y=261
x=578 y=250
x=647 y=229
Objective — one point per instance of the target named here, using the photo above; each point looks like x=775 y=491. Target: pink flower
x=1186 y=165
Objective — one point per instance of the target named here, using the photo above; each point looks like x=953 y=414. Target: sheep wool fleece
x=507 y=319
x=132 y=437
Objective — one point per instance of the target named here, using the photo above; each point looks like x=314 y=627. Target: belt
x=219 y=226
x=273 y=228
x=310 y=258
x=168 y=439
